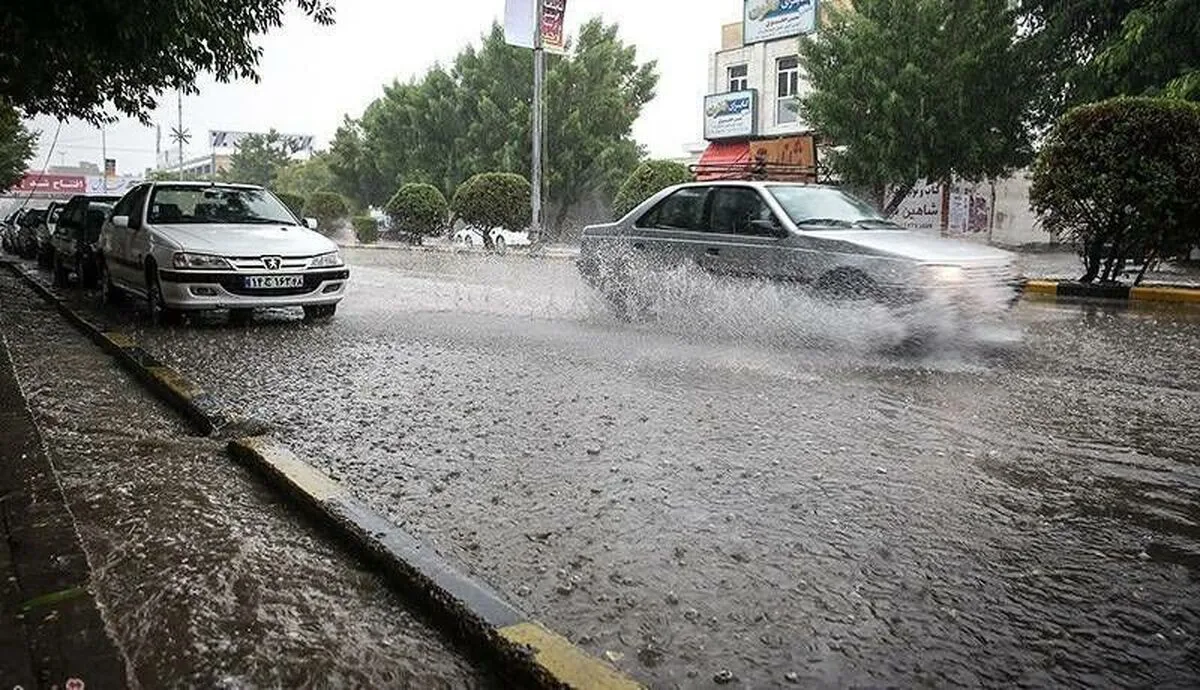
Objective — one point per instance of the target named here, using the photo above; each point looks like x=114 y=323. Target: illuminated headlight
x=199 y=261
x=944 y=274
x=326 y=260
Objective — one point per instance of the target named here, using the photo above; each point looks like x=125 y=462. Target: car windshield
x=828 y=208
x=216 y=205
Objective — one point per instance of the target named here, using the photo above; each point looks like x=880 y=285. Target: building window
x=739 y=78
x=786 y=90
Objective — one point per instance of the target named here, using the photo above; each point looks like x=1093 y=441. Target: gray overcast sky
x=313 y=75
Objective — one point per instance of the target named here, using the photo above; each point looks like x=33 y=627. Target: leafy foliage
x=16 y=146
x=418 y=209
x=475 y=117
x=258 y=159
x=295 y=202
x=918 y=89
x=329 y=208
x=304 y=177
x=71 y=58
x=1118 y=179
x=366 y=229
x=488 y=200
x=650 y=178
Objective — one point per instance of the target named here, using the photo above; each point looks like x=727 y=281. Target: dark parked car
x=73 y=245
x=43 y=232
x=8 y=231
x=27 y=227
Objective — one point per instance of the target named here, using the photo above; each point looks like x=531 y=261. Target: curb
x=460 y=251
x=1126 y=293
x=206 y=414
x=524 y=646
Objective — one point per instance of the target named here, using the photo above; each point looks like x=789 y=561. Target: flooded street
x=207 y=578
x=748 y=483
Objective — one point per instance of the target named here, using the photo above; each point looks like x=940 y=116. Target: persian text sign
x=52 y=184
x=767 y=20
x=519 y=23
x=731 y=115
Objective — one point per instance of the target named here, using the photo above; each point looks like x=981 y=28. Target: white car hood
x=230 y=239
x=917 y=246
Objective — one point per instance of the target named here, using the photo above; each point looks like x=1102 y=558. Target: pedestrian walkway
x=51 y=631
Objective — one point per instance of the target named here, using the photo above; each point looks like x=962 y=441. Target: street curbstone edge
x=524 y=647
x=1175 y=294
x=204 y=412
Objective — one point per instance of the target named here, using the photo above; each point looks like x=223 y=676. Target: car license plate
x=272 y=282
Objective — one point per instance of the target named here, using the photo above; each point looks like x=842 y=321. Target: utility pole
x=182 y=135
x=539 y=77
x=104 y=157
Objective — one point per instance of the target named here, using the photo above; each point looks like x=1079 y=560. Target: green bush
x=489 y=200
x=366 y=229
x=329 y=208
x=648 y=179
x=418 y=209
x=295 y=202
x=1118 y=180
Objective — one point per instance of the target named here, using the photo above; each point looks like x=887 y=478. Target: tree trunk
x=1149 y=258
x=560 y=219
x=1091 y=261
x=898 y=198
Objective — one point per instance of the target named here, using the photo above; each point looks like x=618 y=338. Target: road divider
x=1065 y=289
x=527 y=652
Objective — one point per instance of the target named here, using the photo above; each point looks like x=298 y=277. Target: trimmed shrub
x=366 y=229
x=648 y=179
x=295 y=202
x=329 y=208
x=489 y=200
x=418 y=210
x=1117 y=179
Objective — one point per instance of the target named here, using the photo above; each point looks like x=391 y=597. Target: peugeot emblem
x=273 y=263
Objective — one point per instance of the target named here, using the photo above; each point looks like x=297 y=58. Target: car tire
x=109 y=292
x=500 y=244
x=319 y=312
x=60 y=272
x=160 y=312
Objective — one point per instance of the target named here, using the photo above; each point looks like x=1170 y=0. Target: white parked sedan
x=191 y=246
x=502 y=238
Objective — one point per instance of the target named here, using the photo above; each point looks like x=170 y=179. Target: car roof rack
x=756 y=171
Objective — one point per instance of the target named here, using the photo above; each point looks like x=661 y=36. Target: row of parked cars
x=185 y=247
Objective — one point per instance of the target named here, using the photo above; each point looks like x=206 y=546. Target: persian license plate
x=272 y=282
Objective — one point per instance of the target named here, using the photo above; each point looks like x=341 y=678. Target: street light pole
x=180 y=111
x=539 y=78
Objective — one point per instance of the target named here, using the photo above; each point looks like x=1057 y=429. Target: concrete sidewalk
x=51 y=631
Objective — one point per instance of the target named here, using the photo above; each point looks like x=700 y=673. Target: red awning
x=724 y=160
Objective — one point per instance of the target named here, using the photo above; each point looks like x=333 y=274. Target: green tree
x=648 y=179
x=488 y=200
x=355 y=174
x=295 y=202
x=366 y=229
x=329 y=208
x=304 y=177
x=418 y=209
x=912 y=89
x=16 y=146
x=258 y=159
x=73 y=58
x=1118 y=179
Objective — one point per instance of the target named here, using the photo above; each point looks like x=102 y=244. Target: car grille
x=255 y=263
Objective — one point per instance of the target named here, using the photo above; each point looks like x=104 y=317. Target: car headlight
x=199 y=261
x=326 y=260
x=944 y=274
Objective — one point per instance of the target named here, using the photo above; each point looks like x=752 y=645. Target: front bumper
x=199 y=290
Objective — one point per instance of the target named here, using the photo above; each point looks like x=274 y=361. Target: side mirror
x=310 y=223
x=120 y=221
x=768 y=228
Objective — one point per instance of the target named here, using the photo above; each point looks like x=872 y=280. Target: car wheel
x=160 y=312
x=501 y=244
x=319 y=312
x=109 y=292
x=60 y=271
x=241 y=317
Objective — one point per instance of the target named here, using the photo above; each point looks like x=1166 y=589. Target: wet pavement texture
x=1066 y=265
x=750 y=486
x=206 y=577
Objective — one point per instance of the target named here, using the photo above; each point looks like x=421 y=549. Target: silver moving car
x=811 y=234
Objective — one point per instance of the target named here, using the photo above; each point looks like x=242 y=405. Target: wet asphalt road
x=208 y=579
x=751 y=482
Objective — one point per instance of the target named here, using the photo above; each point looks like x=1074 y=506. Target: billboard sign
x=39 y=183
x=768 y=20
x=731 y=115
x=519 y=23
x=292 y=143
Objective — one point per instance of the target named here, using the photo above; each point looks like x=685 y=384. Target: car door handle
x=712 y=251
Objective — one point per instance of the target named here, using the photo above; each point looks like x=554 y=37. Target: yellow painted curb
x=177 y=383
x=1042 y=287
x=566 y=663
x=120 y=340
x=1165 y=294
x=308 y=479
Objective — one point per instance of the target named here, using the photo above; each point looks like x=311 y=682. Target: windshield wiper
x=834 y=222
x=876 y=223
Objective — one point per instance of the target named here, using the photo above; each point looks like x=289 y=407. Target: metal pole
x=180 y=103
x=104 y=157
x=539 y=76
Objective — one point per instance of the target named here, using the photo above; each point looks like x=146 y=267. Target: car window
x=827 y=207
x=733 y=209
x=683 y=210
x=96 y=214
x=216 y=205
x=130 y=201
